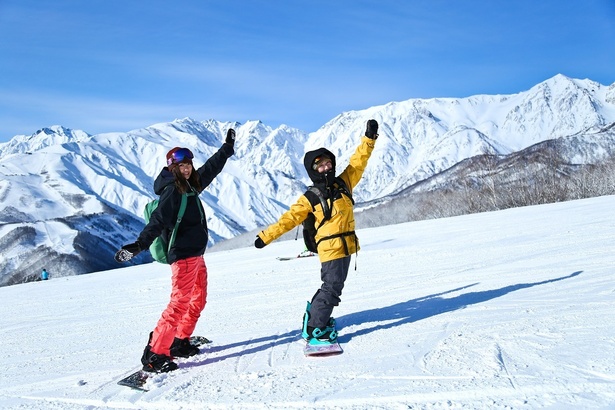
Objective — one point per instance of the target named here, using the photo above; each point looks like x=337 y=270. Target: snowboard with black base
x=319 y=342
x=138 y=379
x=135 y=380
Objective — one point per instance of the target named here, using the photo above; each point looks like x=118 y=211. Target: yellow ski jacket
x=341 y=225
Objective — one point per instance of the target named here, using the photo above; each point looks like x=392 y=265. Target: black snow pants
x=333 y=275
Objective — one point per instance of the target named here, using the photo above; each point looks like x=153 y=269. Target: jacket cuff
x=370 y=141
x=227 y=149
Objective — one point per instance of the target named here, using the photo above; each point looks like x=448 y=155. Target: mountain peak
x=95 y=189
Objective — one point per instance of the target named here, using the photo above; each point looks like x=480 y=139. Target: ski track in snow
x=502 y=310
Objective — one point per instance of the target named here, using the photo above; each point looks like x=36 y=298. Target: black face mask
x=329 y=177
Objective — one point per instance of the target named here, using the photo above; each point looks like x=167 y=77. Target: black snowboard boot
x=183 y=348
x=156 y=363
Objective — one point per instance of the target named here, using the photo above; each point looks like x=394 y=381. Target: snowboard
x=135 y=380
x=301 y=255
x=322 y=350
x=199 y=341
x=138 y=379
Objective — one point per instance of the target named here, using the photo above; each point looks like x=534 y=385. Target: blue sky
x=108 y=65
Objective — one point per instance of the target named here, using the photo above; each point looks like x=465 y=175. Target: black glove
x=230 y=137
x=372 y=129
x=259 y=243
x=127 y=252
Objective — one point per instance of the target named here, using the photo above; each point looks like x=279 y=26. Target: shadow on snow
x=395 y=315
x=427 y=306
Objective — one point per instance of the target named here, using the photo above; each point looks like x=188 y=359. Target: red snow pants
x=188 y=298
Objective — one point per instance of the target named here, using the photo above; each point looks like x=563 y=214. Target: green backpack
x=159 y=252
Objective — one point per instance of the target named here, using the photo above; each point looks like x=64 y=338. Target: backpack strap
x=320 y=198
x=342 y=187
x=198 y=203
x=180 y=215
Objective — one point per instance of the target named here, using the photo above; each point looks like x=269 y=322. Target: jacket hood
x=164 y=179
x=308 y=160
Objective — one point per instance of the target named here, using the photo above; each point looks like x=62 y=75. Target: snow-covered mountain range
x=69 y=199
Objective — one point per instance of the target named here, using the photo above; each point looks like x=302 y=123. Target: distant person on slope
x=171 y=337
x=335 y=236
x=44 y=274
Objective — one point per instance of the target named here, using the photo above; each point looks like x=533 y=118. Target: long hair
x=184 y=185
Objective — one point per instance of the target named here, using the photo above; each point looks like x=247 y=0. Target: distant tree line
x=490 y=183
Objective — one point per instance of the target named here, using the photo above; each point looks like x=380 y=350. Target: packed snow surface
x=504 y=310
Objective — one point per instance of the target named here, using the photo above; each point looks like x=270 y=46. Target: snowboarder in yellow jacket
x=335 y=236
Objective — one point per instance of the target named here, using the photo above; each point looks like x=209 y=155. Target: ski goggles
x=181 y=155
x=318 y=161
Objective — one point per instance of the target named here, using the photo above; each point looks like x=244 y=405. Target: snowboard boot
x=183 y=348
x=322 y=336
x=306 y=318
x=315 y=335
x=147 y=350
x=156 y=363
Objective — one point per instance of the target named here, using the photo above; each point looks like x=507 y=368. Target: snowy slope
x=505 y=310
